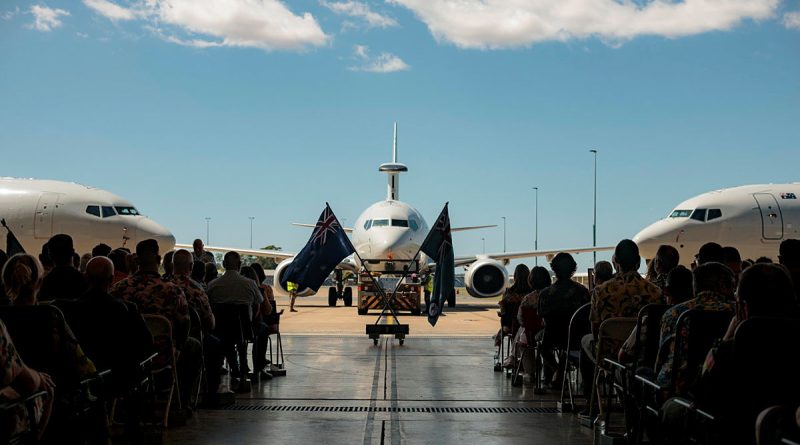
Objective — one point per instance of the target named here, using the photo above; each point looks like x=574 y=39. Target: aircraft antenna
x=394 y=144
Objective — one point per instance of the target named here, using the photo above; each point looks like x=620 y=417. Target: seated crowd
x=84 y=341
x=707 y=355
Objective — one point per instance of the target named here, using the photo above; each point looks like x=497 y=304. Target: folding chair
x=612 y=333
x=509 y=320
x=698 y=330
x=578 y=327
x=196 y=331
x=167 y=361
x=276 y=362
x=532 y=324
x=645 y=349
x=26 y=406
x=234 y=329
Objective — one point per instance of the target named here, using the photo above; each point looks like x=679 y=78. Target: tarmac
x=439 y=387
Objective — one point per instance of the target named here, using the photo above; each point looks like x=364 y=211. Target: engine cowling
x=276 y=282
x=486 y=278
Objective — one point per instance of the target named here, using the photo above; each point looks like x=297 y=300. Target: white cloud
x=791 y=20
x=46 y=19
x=8 y=15
x=495 y=24
x=384 y=63
x=264 y=24
x=110 y=10
x=360 y=10
x=82 y=35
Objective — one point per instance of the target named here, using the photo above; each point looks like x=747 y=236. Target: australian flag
x=328 y=246
x=13 y=246
x=438 y=245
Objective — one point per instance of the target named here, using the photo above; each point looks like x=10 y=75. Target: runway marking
x=368 y=426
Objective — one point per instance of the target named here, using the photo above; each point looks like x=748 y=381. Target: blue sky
x=240 y=108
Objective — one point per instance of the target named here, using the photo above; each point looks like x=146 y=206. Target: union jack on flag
x=327 y=224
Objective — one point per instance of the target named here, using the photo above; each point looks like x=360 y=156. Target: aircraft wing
x=507 y=256
x=277 y=254
x=461 y=229
x=346 y=229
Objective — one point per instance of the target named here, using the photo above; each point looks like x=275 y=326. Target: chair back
x=161 y=330
x=232 y=322
x=578 y=327
x=196 y=326
x=696 y=331
x=39 y=333
x=648 y=325
x=765 y=354
x=612 y=333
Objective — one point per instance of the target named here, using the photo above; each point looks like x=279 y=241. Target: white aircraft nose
x=149 y=229
x=651 y=238
x=390 y=244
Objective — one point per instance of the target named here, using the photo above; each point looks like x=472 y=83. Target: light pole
x=536 y=224
x=484 y=244
x=504 y=234
x=594 y=220
x=208 y=225
x=251 y=230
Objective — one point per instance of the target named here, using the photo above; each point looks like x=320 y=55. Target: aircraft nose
x=149 y=229
x=649 y=240
x=390 y=243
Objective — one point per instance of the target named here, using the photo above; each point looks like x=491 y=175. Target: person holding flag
x=438 y=245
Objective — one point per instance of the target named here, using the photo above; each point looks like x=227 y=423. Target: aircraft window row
x=706 y=214
x=680 y=214
x=699 y=215
x=394 y=223
x=127 y=210
x=109 y=211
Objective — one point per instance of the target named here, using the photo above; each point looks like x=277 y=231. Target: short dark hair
x=248 y=272
x=668 y=257
x=563 y=266
x=627 y=255
x=790 y=253
x=731 y=254
x=603 y=271
x=147 y=250
x=763 y=260
x=539 y=278
x=679 y=284
x=259 y=269
x=710 y=252
x=61 y=249
x=230 y=260
x=767 y=290
x=119 y=257
x=101 y=250
x=712 y=277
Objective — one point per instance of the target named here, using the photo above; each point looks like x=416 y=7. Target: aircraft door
x=45 y=211
x=771 y=216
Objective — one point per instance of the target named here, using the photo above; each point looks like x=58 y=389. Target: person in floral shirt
x=152 y=294
x=17 y=381
x=622 y=296
x=713 y=287
x=195 y=295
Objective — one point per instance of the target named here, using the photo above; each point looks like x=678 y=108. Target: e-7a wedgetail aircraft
x=386 y=236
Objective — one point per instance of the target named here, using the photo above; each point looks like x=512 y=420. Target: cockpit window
x=413 y=224
x=680 y=213
x=380 y=223
x=713 y=214
x=399 y=223
x=127 y=210
x=108 y=211
x=93 y=210
x=699 y=215
x=367 y=224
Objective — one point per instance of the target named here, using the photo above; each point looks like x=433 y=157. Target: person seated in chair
x=557 y=303
x=713 y=289
x=65 y=280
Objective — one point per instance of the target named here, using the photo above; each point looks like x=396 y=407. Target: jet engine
x=278 y=288
x=486 y=278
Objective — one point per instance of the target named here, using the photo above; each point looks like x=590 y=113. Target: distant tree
x=266 y=263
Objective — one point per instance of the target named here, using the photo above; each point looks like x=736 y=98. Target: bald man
x=195 y=295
